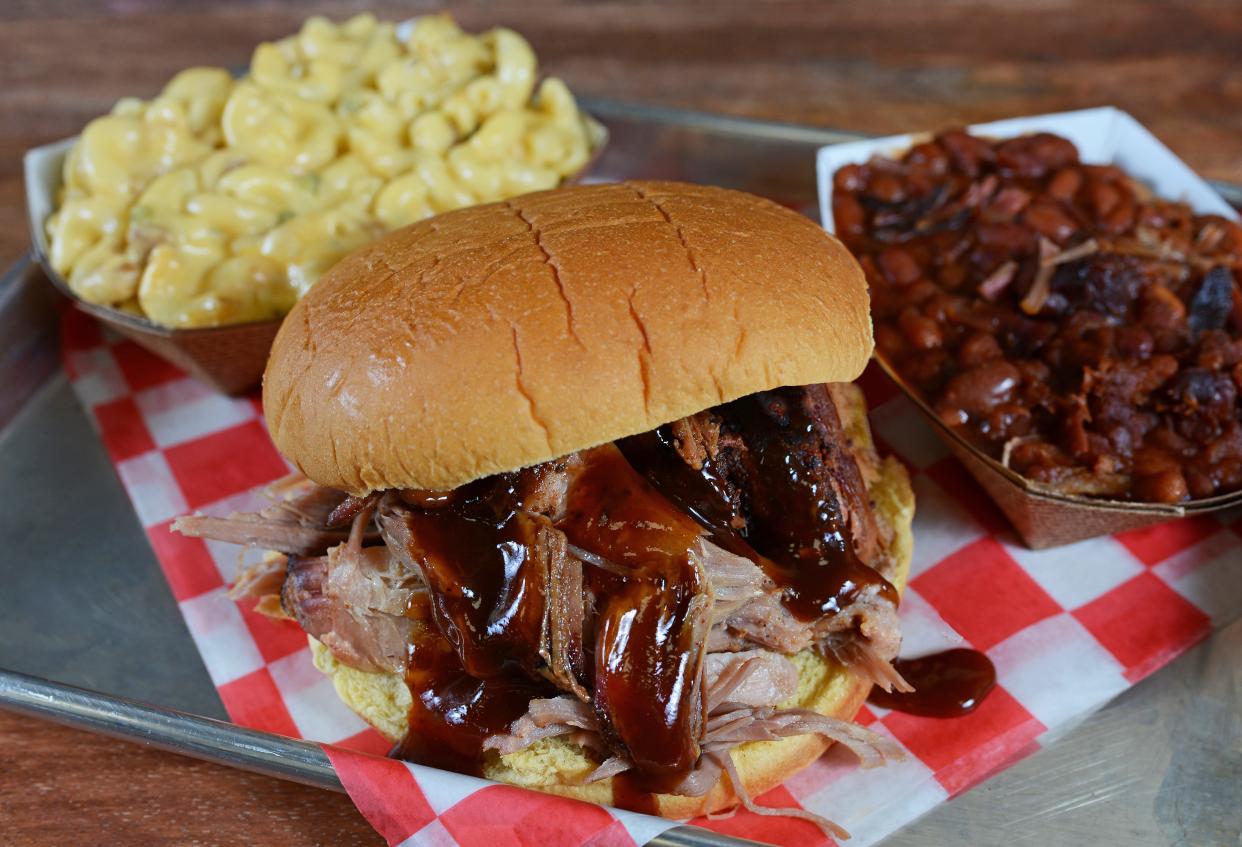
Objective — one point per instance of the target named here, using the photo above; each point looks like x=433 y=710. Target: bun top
x=501 y=336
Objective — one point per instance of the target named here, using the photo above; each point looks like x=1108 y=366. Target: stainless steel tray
x=84 y=602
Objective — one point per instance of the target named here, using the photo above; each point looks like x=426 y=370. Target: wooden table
x=874 y=67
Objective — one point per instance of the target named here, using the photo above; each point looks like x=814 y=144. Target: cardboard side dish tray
x=1103 y=136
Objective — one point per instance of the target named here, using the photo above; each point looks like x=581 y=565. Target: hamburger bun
x=506 y=335
x=557 y=766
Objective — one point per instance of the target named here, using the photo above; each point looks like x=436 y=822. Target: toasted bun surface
x=502 y=336
x=556 y=766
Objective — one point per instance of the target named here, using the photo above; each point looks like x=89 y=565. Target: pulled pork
x=365 y=575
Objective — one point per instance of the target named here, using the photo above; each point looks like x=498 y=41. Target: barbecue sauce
x=795 y=517
x=474 y=674
x=452 y=712
x=629 y=791
x=946 y=685
x=487 y=591
x=703 y=493
x=651 y=615
x=795 y=528
x=488 y=595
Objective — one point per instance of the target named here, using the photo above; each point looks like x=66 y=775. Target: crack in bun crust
x=505 y=335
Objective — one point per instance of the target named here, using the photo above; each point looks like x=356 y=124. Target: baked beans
x=1062 y=319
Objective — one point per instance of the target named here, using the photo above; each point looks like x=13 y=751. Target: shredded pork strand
x=256 y=530
x=262 y=582
x=860 y=657
x=297 y=522
x=865 y=637
x=354 y=600
x=751 y=677
x=597 y=561
x=725 y=759
x=298 y=496
x=736 y=580
x=737 y=725
x=561 y=645
x=545 y=718
x=350 y=508
x=612 y=766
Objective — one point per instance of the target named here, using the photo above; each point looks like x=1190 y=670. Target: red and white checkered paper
x=1067 y=628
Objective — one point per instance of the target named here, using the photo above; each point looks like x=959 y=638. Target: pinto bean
x=1120 y=219
x=1050 y=221
x=1103 y=198
x=930 y=156
x=886 y=188
x=969 y=154
x=1065 y=184
x=1135 y=342
x=848 y=214
x=1034 y=156
x=898 y=266
x=848 y=178
x=978 y=348
x=1161 y=308
x=920 y=331
x=1168 y=486
x=983 y=387
x=890 y=342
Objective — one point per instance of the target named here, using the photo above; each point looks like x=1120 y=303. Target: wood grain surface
x=880 y=67
x=62 y=786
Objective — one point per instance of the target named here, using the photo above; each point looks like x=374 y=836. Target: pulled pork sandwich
x=585 y=501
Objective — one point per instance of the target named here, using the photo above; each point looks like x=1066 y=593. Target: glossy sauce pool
x=946 y=685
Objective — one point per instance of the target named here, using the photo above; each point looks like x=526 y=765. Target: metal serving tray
x=84 y=603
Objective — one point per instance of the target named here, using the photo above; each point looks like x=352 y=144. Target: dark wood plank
x=876 y=67
x=63 y=786
x=867 y=66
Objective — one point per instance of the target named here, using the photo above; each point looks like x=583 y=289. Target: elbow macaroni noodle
x=222 y=200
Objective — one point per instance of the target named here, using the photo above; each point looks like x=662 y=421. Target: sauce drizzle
x=795 y=527
x=452 y=712
x=473 y=548
x=946 y=685
x=651 y=624
x=488 y=594
x=795 y=516
x=640 y=511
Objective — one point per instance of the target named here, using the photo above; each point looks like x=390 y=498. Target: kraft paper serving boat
x=1106 y=135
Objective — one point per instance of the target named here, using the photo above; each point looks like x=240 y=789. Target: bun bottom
x=558 y=767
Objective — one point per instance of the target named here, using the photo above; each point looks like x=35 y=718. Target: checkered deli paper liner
x=1067 y=628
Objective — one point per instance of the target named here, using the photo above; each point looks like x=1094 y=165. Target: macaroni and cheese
x=222 y=200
